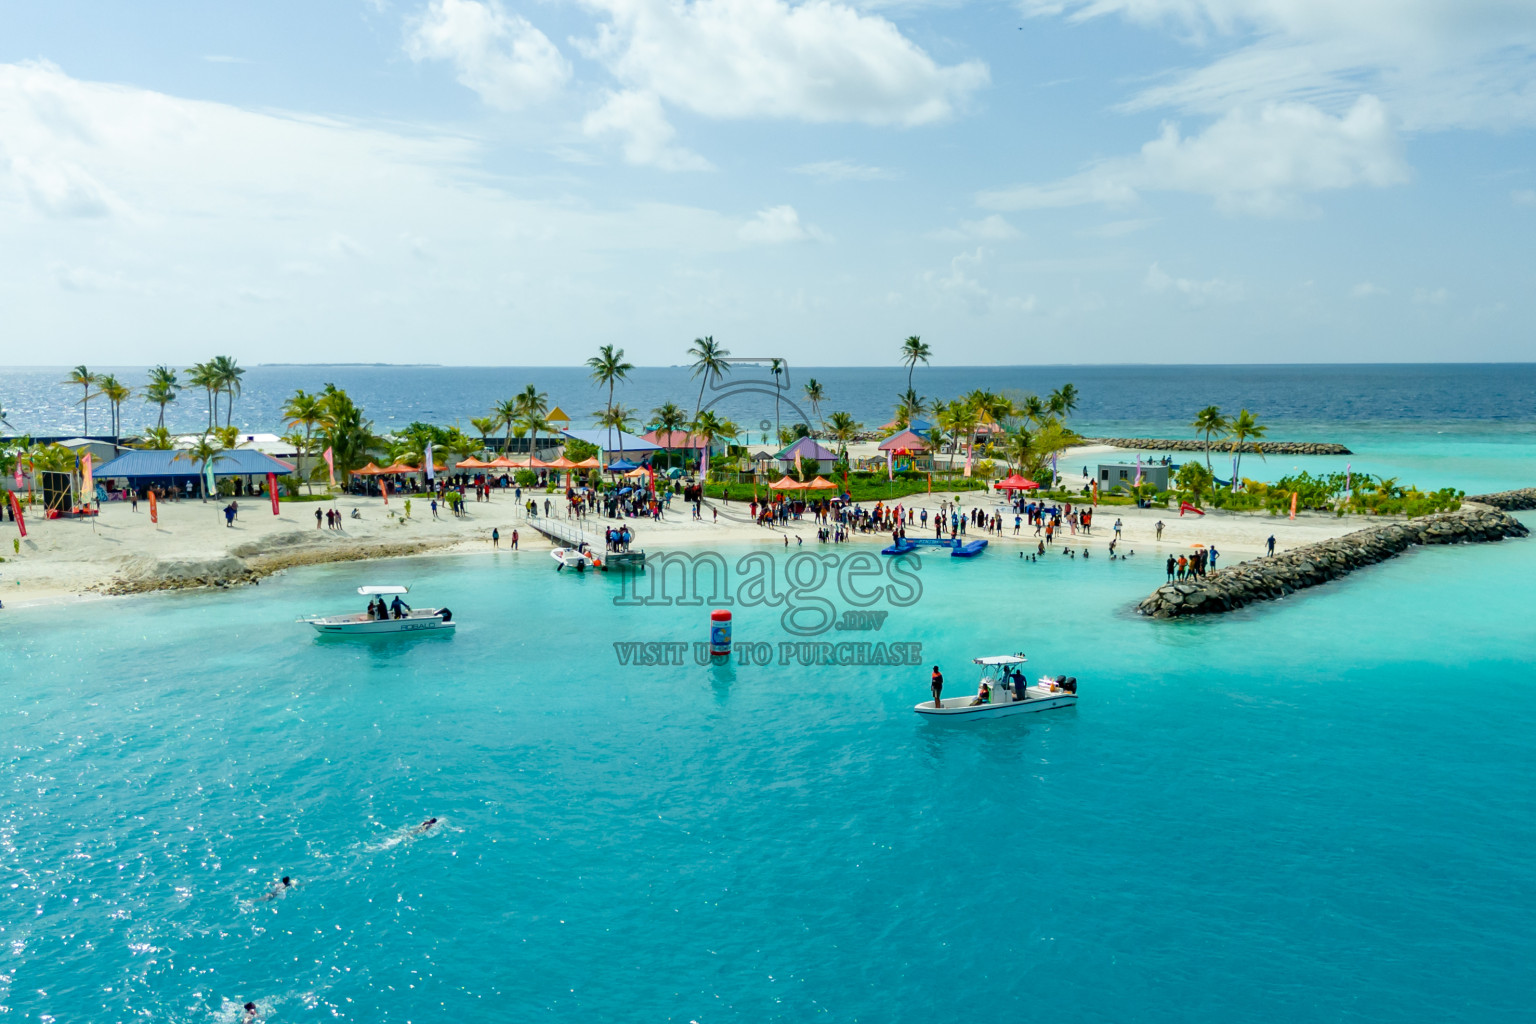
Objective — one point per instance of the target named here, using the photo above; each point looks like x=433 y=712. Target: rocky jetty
x=1523 y=500
x=1266 y=579
x=1247 y=447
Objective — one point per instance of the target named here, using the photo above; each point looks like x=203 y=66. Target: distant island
x=401 y=365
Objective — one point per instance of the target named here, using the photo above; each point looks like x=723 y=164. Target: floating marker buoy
x=720 y=633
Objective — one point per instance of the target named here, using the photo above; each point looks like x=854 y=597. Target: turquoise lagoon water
x=1320 y=809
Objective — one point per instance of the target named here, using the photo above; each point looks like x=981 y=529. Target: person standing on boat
x=937 y=686
x=399 y=607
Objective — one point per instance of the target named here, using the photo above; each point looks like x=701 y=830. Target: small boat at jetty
x=970 y=549
x=1003 y=691
x=406 y=620
x=581 y=559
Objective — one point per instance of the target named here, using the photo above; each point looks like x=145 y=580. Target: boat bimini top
x=374 y=591
x=1001 y=659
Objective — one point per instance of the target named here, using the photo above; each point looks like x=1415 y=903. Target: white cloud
x=819 y=61
x=1198 y=293
x=843 y=170
x=637 y=118
x=213 y=207
x=964 y=282
x=1256 y=163
x=992 y=228
x=1462 y=64
x=776 y=225
x=1367 y=290
x=1523 y=197
x=501 y=56
x=1430 y=296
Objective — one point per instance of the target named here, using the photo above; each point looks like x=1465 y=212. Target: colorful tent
x=784 y=483
x=372 y=469
x=472 y=463
x=590 y=462
x=1016 y=483
x=821 y=483
x=502 y=462
x=557 y=415
x=561 y=463
x=621 y=466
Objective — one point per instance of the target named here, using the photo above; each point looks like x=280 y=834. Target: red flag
x=21 y=524
x=154 y=508
x=384 y=488
x=272 y=487
x=1293 y=504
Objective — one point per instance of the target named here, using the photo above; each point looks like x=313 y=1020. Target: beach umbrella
x=626 y=490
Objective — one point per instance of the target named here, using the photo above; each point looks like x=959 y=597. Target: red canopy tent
x=1016 y=483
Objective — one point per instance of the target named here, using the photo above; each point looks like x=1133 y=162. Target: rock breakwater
x=1247 y=447
x=1522 y=500
x=1267 y=579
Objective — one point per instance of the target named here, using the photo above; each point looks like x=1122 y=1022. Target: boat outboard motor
x=445 y=614
x=1070 y=685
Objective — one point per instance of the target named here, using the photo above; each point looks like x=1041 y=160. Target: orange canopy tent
x=589 y=463
x=399 y=467
x=561 y=463
x=535 y=462
x=502 y=462
x=637 y=473
x=472 y=463
x=784 y=483
x=821 y=483
x=372 y=469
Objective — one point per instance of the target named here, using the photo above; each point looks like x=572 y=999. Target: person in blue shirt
x=399 y=607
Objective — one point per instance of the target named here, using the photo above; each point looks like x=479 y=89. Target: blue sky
x=478 y=181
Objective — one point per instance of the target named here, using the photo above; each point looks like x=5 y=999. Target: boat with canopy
x=409 y=620
x=1003 y=690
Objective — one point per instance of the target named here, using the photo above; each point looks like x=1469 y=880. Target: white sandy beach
x=121 y=551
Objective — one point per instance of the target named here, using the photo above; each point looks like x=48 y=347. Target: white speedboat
x=414 y=620
x=581 y=559
x=1003 y=691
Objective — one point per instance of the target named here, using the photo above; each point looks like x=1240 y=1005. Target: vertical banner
x=87 y=480
x=21 y=524
x=18 y=471
x=272 y=489
x=211 y=489
x=1293 y=504
x=330 y=465
x=154 y=507
x=428 y=466
x=1349 y=479
x=1095 y=493
x=1138 y=469
x=384 y=489
x=1234 y=474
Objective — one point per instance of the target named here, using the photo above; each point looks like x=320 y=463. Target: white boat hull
x=1036 y=698
x=361 y=625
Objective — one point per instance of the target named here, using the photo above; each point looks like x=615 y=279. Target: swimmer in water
x=250 y=1011
x=280 y=889
x=424 y=826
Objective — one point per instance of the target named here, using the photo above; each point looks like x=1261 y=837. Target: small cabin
x=1121 y=476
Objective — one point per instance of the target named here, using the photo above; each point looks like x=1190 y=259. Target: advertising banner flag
x=330 y=463
x=272 y=490
x=21 y=524
x=154 y=508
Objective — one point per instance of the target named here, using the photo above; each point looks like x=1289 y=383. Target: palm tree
x=842 y=427
x=1018 y=442
x=909 y=406
x=914 y=351
x=227 y=373
x=707 y=426
x=1209 y=421
x=87 y=380
x=531 y=424
x=608 y=367
x=816 y=394
x=304 y=410
x=1049 y=440
x=162 y=389
x=116 y=393
x=710 y=363
x=1033 y=409
x=344 y=430
x=483 y=426
x=1063 y=400
x=1244 y=428
x=202 y=375
x=506 y=413
x=529 y=407
x=949 y=420
x=3 y=419
x=203 y=452
x=668 y=417
x=157 y=439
